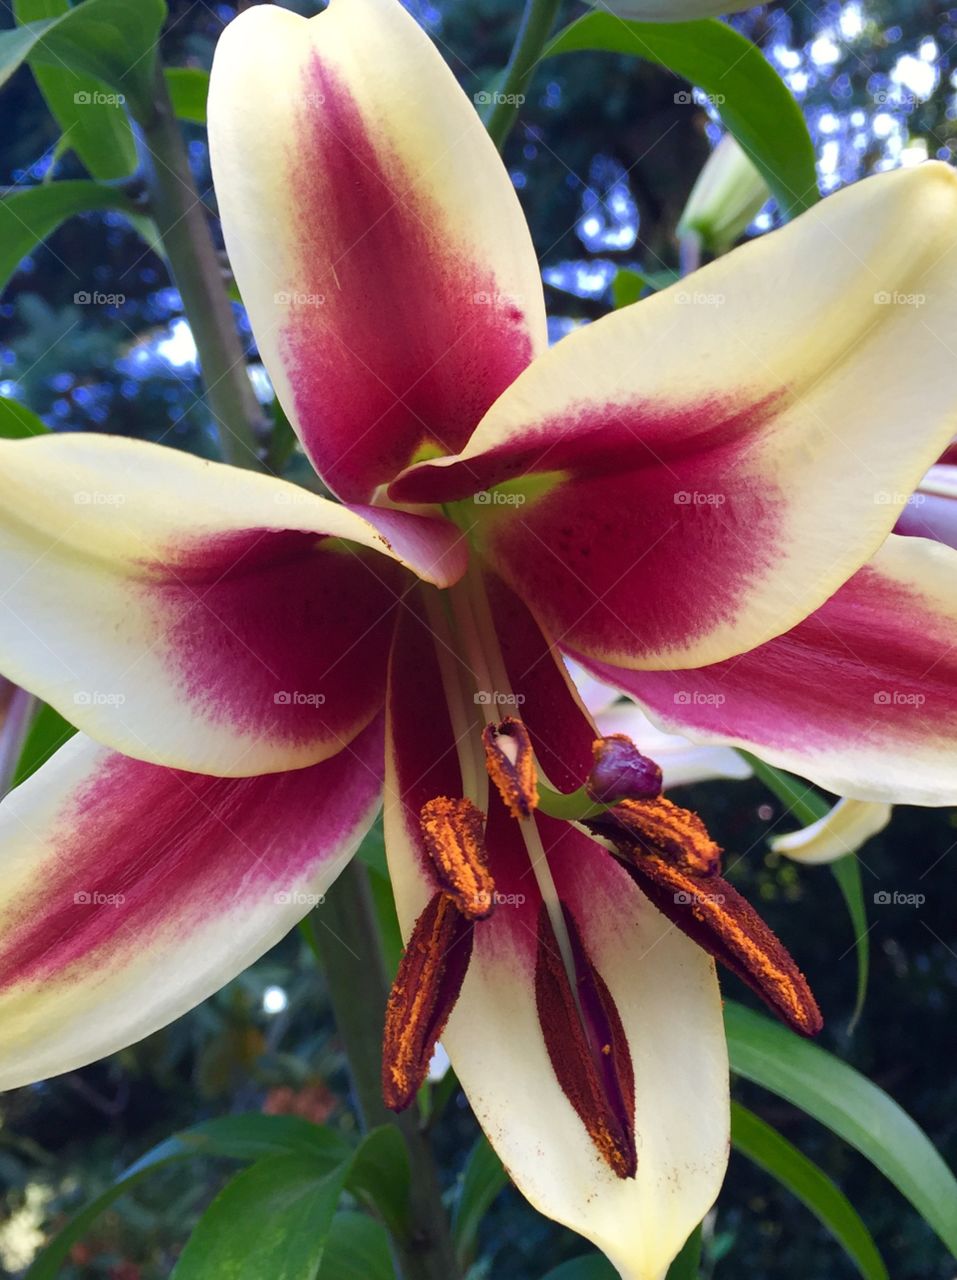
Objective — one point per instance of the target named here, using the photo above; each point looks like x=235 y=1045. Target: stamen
x=659 y=827
x=510 y=762
x=587 y=1046
x=715 y=916
x=454 y=832
x=423 y=995
x=621 y=772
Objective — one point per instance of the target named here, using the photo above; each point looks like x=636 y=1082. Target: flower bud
x=621 y=772
x=727 y=195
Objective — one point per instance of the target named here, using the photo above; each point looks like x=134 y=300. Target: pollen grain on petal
x=510 y=761
x=454 y=832
x=587 y=1046
x=425 y=990
x=713 y=914
x=663 y=829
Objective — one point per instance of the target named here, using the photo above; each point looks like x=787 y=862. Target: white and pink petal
x=859 y=698
x=689 y=477
x=196 y=615
x=130 y=892
x=374 y=233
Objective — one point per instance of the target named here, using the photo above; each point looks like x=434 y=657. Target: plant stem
x=537 y=22
x=180 y=217
x=347 y=937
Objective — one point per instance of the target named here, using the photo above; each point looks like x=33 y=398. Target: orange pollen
x=454 y=832
x=674 y=834
x=426 y=987
x=510 y=762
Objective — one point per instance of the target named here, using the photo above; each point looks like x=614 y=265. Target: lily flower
x=668 y=490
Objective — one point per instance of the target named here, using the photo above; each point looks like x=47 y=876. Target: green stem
x=347 y=938
x=537 y=22
x=180 y=217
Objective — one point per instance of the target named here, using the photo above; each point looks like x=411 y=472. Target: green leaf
x=234 y=1137
x=46 y=734
x=688 y=1261
x=749 y=95
x=112 y=41
x=357 y=1248
x=17 y=421
x=94 y=124
x=784 y=1162
x=628 y=285
x=800 y=799
x=188 y=90
x=271 y=1221
x=27 y=217
x=849 y=1105
x=380 y=1176
x=483 y=1179
x=591 y=1266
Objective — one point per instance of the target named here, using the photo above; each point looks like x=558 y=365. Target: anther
x=454 y=832
x=510 y=762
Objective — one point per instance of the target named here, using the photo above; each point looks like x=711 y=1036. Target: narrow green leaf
x=112 y=41
x=688 y=1261
x=380 y=1176
x=591 y=1266
x=271 y=1221
x=628 y=285
x=749 y=95
x=93 y=121
x=188 y=91
x=27 y=217
x=357 y=1248
x=849 y=1105
x=775 y=1155
x=800 y=799
x=484 y=1177
x=46 y=734
x=234 y=1137
x=17 y=421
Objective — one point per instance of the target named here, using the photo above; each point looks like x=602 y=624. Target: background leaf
x=271 y=1221
x=17 y=421
x=188 y=90
x=27 y=217
x=784 y=1162
x=749 y=95
x=112 y=41
x=380 y=1176
x=850 y=1106
x=482 y=1180
x=357 y=1248
x=98 y=131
